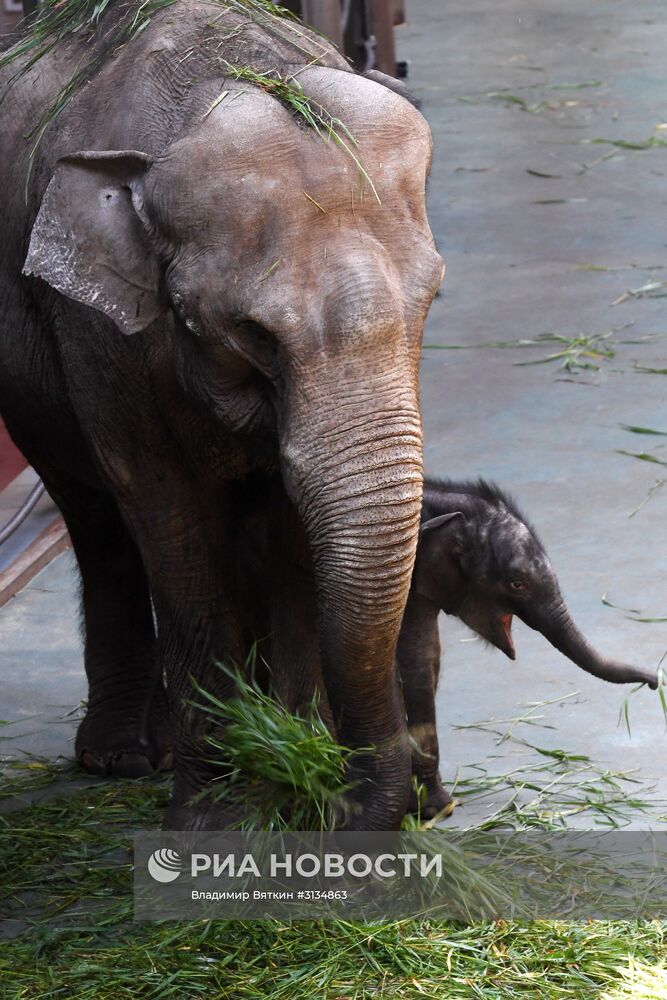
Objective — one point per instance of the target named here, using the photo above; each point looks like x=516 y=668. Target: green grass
x=488 y=961
x=284 y=772
x=547 y=103
x=83 y=945
x=68 y=879
x=653 y=142
x=548 y=786
x=56 y=23
x=643 y=456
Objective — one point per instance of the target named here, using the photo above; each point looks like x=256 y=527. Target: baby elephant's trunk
x=556 y=624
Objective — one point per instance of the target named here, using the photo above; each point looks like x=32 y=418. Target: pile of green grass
x=282 y=771
x=67 y=892
x=343 y=961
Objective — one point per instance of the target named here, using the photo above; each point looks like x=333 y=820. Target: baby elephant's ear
x=437 y=574
x=89 y=242
x=454 y=520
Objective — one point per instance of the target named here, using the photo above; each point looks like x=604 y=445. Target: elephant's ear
x=437 y=573
x=89 y=242
x=440 y=520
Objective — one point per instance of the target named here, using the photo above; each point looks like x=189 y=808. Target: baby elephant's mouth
x=508 y=645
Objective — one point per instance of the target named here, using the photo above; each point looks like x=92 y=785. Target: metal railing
x=28 y=505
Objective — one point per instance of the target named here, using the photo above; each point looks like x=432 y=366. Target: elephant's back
x=128 y=81
x=131 y=83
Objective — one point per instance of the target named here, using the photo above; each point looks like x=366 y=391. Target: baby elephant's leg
x=418 y=657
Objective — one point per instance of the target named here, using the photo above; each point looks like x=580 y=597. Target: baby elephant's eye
x=517 y=585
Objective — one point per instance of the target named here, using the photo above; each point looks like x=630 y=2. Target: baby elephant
x=479 y=559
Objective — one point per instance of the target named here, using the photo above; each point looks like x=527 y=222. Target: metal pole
x=382 y=26
x=399 y=12
x=325 y=16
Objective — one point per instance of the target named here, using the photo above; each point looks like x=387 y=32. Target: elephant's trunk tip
x=557 y=626
x=621 y=673
x=655 y=681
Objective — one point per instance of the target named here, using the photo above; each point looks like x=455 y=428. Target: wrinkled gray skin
x=479 y=560
x=190 y=330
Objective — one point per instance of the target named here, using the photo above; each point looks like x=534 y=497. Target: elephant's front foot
x=127 y=735
x=432 y=800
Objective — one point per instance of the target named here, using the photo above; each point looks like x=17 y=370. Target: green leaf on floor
x=642 y=430
x=618 y=607
x=641 y=455
x=651 y=290
x=652 y=142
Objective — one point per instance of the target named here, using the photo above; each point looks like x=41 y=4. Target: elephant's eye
x=517 y=585
x=258 y=345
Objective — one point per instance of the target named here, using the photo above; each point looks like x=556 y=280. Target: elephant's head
x=293 y=298
x=480 y=560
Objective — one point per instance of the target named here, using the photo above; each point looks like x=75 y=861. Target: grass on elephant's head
x=60 y=20
x=56 y=21
x=290 y=93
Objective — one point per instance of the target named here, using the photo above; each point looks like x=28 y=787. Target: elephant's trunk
x=358 y=490
x=556 y=624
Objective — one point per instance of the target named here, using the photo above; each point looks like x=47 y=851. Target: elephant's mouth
x=507 y=645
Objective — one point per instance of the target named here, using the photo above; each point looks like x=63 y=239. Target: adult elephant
x=217 y=295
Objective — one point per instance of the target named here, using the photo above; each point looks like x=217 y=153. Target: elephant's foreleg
x=126 y=729
x=418 y=658
x=187 y=540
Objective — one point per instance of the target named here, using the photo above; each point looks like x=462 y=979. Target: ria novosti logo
x=165 y=865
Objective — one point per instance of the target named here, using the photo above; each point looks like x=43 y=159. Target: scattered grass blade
x=659 y=483
x=642 y=430
x=643 y=456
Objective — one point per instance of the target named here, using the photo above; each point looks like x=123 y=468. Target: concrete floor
x=519 y=249
x=520 y=252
